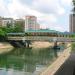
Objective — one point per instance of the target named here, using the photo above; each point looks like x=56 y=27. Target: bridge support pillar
x=55 y=43
x=55 y=49
x=27 y=45
x=28 y=42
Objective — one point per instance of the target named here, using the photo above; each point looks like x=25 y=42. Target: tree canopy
x=2 y=33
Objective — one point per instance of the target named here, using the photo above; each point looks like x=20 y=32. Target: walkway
x=68 y=68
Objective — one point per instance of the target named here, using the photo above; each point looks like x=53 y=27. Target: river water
x=21 y=61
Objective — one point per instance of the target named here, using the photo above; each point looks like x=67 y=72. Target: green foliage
x=7 y=30
x=73 y=36
x=19 y=27
x=73 y=46
x=9 y=25
x=2 y=33
x=10 y=29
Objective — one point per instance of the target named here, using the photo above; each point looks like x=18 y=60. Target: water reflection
x=55 y=53
x=23 y=61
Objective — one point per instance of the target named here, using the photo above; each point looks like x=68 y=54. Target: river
x=21 y=61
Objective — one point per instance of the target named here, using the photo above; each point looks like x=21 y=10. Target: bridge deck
x=42 y=38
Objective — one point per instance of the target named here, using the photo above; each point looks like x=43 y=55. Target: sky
x=52 y=14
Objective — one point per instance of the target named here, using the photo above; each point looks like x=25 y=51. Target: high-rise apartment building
x=72 y=19
x=7 y=22
x=31 y=23
x=72 y=23
x=0 y=21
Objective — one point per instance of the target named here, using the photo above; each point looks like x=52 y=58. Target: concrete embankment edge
x=51 y=70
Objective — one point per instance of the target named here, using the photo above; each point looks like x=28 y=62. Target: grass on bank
x=73 y=46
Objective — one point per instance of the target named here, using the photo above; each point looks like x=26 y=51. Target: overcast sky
x=53 y=14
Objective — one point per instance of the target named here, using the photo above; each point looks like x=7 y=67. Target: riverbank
x=68 y=68
x=51 y=70
x=43 y=44
x=5 y=47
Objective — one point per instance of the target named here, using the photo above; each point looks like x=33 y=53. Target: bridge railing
x=39 y=38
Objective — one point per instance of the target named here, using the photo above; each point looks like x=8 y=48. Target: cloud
x=50 y=18
x=49 y=6
x=3 y=9
x=48 y=12
x=18 y=10
x=53 y=26
x=44 y=6
x=67 y=3
x=27 y=2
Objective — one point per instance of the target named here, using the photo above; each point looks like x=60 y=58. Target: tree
x=9 y=25
x=7 y=30
x=2 y=33
x=19 y=26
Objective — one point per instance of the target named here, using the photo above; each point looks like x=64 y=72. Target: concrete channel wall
x=51 y=70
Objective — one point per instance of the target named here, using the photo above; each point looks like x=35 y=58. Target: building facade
x=72 y=23
x=0 y=21
x=20 y=23
x=38 y=26
x=31 y=23
x=7 y=22
x=72 y=18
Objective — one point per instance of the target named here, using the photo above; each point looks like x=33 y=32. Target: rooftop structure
x=42 y=30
